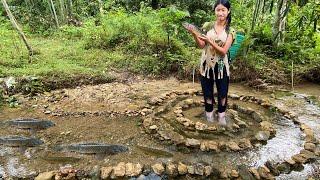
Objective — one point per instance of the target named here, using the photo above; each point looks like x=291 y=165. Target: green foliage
x=32 y=85
x=36 y=14
x=150 y=38
x=13 y=102
x=1 y=96
x=70 y=32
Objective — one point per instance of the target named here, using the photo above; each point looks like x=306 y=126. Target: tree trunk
x=315 y=23
x=101 y=7
x=255 y=14
x=54 y=13
x=62 y=11
x=279 y=25
x=70 y=8
x=16 y=26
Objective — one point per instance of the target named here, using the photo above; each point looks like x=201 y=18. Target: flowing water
x=126 y=131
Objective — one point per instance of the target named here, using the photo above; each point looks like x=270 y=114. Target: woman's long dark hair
x=226 y=4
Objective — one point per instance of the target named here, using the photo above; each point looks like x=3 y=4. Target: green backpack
x=234 y=49
x=236 y=44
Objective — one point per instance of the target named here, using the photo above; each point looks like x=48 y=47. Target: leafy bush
x=149 y=38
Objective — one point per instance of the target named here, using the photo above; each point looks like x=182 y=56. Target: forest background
x=68 y=43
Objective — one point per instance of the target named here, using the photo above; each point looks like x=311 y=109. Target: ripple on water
x=15 y=169
x=286 y=143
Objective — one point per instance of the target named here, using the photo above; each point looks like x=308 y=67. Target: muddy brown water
x=124 y=130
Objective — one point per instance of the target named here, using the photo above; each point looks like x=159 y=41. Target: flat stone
x=255 y=172
x=209 y=146
x=191 y=91
x=106 y=172
x=199 y=169
x=309 y=135
x=224 y=174
x=290 y=161
x=182 y=168
x=178 y=111
x=272 y=168
x=165 y=135
x=245 y=143
x=234 y=96
x=146 y=110
x=262 y=135
x=233 y=146
x=242 y=124
x=266 y=126
x=283 y=111
x=119 y=170
x=46 y=175
x=304 y=126
x=153 y=127
x=212 y=128
x=178 y=139
x=201 y=126
x=191 y=169
x=235 y=126
x=308 y=154
x=155 y=101
x=244 y=173
x=185 y=121
x=234 y=173
x=64 y=170
x=192 y=142
x=147 y=122
x=182 y=119
x=298 y=158
x=310 y=147
x=257 y=116
x=265 y=173
x=249 y=111
x=188 y=102
x=172 y=169
x=133 y=169
x=222 y=145
x=207 y=170
x=158 y=168
x=283 y=167
x=266 y=104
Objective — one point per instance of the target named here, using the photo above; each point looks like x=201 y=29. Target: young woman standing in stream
x=214 y=65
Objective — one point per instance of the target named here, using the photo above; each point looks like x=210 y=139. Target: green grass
x=55 y=56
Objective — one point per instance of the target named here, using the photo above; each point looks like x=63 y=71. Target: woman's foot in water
x=222 y=119
x=210 y=116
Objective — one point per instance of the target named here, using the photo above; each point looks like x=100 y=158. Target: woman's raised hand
x=191 y=28
x=205 y=38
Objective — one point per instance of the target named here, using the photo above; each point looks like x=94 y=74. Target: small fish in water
x=19 y=141
x=30 y=124
x=155 y=152
x=97 y=148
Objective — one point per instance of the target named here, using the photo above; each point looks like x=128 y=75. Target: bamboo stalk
x=292 y=75
x=16 y=26
x=54 y=13
x=62 y=11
